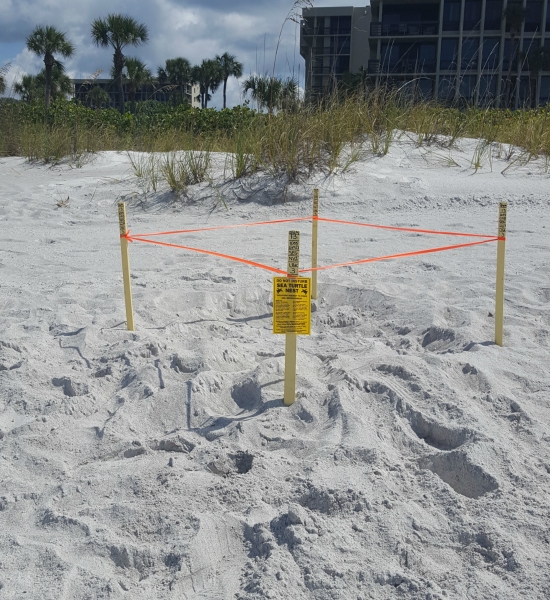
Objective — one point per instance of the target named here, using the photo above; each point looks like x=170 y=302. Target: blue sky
x=195 y=29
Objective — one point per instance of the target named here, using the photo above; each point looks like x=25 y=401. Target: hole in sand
x=438 y=338
x=243 y=461
x=456 y=470
x=246 y=394
x=435 y=434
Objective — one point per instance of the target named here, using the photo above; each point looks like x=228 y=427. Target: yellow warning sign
x=291 y=305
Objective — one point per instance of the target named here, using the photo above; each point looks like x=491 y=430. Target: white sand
x=416 y=462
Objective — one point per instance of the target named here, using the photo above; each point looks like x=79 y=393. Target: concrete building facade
x=333 y=42
x=451 y=49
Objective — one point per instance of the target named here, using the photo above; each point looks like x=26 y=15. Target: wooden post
x=314 y=234
x=125 y=266
x=501 y=253
x=293 y=267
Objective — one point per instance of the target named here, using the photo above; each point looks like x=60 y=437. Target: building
x=453 y=49
x=83 y=92
x=333 y=42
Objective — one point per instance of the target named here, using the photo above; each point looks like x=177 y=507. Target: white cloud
x=196 y=29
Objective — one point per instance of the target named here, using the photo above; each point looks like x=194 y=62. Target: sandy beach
x=161 y=463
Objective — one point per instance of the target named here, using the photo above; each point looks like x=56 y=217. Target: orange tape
x=335 y=266
x=430 y=231
x=403 y=255
x=136 y=235
x=315 y=218
x=218 y=254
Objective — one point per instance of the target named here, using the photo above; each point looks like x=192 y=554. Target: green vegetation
x=3 y=72
x=46 y=42
x=119 y=31
x=228 y=66
x=292 y=142
x=31 y=87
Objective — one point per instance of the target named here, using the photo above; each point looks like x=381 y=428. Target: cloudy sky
x=195 y=29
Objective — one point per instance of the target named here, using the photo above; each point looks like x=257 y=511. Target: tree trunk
x=206 y=86
x=48 y=62
x=224 y=90
x=119 y=65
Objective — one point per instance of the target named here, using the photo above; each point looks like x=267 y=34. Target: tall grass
x=327 y=137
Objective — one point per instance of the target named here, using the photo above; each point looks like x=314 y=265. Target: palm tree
x=3 y=72
x=97 y=97
x=514 y=14
x=229 y=67
x=273 y=93
x=61 y=84
x=30 y=86
x=136 y=75
x=26 y=88
x=48 y=41
x=177 y=71
x=118 y=31
x=208 y=76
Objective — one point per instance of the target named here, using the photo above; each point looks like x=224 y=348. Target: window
x=340 y=65
x=490 y=54
x=426 y=57
x=468 y=86
x=412 y=12
x=509 y=53
x=389 y=56
x=545 y=90
x=451 y=15
x=340 y=44
x=447 y=87
x=340 y=25
x=527 y=92
x=548 y=18
x=531 y=59
x=487 y=89
x=533 y=15
x=449 y=54
x=472 y=15
x=426 y=88
x=493 y=15
x=530 y=45
x=470 y=52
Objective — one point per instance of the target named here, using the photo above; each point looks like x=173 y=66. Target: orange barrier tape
x=314 y=218
x=136 y=235
x=218 y=254
x=403 y=255
x=281 y=272
x=430 y=231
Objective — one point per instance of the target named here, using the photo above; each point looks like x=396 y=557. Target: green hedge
x=150 y=115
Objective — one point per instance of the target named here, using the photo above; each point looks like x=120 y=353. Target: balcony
x=402 y=29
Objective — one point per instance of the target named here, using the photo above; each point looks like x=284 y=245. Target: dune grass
x=311 y=138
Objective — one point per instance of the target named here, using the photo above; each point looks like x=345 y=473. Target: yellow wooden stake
x=290 y=342
x=501 y=253
x=314 y=233
x=125 y=266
